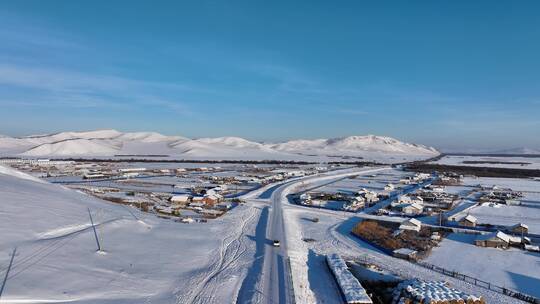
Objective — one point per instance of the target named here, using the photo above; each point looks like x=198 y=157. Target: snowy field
x=516 y=184
x=144 y=259
x=513 y=162
x=508 y=216
x=372 y=183
x=512 y=268
x=528 y=212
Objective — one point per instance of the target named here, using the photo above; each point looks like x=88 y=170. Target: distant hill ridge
x=113 y=142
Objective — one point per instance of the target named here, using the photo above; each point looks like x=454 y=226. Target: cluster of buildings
x=499 y=239
x=498 y=195
x=408 y=205
x=350 y=202
x=278 y=176
x=429 y=200
x=448 y=179
x=415 y=179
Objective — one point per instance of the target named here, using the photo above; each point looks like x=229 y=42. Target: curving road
x=276 y=279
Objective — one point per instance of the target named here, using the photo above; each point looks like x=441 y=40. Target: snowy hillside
x=107 y=143
x=355 y=145
x=144 y=260
x=75 y=147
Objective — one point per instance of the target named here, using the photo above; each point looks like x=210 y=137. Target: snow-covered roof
x=180 y=198
x=411 y=224
x=499 y=234
x=405 y=251
x=414 y=222
x=197 y=204
x=520 y=225
x=417 y=206
x=470 y=218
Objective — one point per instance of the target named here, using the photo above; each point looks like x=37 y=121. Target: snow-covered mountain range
x=109 y=143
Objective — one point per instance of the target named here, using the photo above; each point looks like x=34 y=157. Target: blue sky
x=453 y=74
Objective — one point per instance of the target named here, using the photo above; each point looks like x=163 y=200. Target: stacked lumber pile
x=417 y=291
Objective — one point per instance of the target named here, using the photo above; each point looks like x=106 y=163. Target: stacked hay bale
x=417 y=291
x=353 y=292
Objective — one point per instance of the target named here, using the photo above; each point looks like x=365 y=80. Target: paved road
x=276 y=277
x=276 y=285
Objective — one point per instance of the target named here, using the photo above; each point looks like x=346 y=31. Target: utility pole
x=7 y=271
x=94 y=228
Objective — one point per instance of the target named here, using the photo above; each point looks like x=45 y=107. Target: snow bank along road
x=275 y=285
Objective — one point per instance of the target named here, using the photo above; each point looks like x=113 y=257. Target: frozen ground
x=516 y=184
x=373 y=183
x=145 y=259
x=491 y=161
x=528 y=212
x=512 y=268
x=508 y=215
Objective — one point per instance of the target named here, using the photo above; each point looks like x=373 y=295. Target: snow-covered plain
x=110 y=143
x=512 y=268
x=528 y=212
x=144 y=260
x=508 y=215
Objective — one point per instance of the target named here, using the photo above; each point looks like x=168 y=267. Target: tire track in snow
x=232 y=248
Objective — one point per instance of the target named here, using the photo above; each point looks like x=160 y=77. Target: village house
x=497 y=239
x=412 y=209
x=212 y=199
x=181 y=199
x=197 y=199
x=468 y=221
x=519 y=229
x=405 y=253
x=369 y=196
x=355 y=204
x=408 y=205
x=164 y=210
x=411 y=224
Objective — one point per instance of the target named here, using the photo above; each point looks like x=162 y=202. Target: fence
x=463 y=277
x=292 y=297
x=481 y=283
